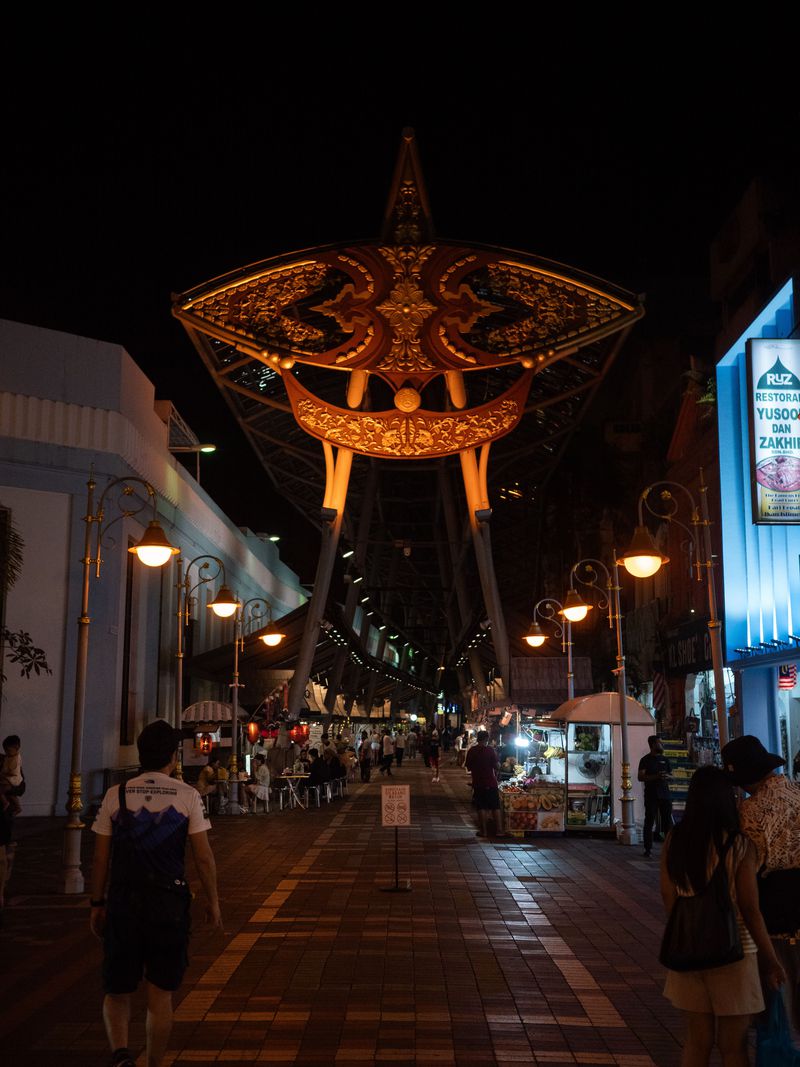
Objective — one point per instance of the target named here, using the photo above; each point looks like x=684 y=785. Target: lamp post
x=643 y=560
x=196 y=449
x=586 y=572
x=153 y=550
x=271 y=637
x=573 y=611
x=223 y=605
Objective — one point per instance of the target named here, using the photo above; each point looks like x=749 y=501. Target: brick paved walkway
x=540 y=951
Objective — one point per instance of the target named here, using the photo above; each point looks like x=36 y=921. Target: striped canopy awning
x=207 y=713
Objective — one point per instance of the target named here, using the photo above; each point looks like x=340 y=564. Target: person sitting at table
x=206 y=784
x=258 y=789
x=318 y=769
x=334 y=764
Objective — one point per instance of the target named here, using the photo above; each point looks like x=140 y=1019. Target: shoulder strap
x=122 y=805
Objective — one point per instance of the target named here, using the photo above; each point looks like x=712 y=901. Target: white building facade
x=68 y=406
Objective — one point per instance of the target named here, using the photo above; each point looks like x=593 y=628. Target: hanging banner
x=774 y=387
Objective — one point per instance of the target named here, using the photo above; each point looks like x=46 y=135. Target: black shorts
x=150 y=942
x=487 y=798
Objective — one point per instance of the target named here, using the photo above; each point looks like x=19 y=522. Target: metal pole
x=178 y=709
x=73 y=876
x=570 y=674
x=233 y=780
x=627 y=835
x=714 y=623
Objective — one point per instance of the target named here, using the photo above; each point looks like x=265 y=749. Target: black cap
x=157 y=744
x=746 y=760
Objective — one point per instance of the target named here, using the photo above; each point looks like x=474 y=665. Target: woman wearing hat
x=770 y=817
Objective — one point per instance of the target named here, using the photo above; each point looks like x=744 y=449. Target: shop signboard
x=774 y=405
x=687 y=649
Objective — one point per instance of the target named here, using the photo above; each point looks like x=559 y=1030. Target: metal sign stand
x=396 y=811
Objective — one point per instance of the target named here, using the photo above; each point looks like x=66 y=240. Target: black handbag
x=702 y=932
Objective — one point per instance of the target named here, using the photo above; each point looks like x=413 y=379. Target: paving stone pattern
x=537 y=950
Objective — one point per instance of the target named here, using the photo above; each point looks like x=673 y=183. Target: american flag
x=787 y=676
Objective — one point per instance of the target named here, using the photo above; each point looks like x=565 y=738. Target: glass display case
x=588 y=776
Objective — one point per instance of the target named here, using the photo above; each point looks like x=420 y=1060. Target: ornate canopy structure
x=405 y=357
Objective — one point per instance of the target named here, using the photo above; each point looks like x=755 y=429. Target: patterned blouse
x=771 y=819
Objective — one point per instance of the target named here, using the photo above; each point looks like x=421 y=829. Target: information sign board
x=395 y=805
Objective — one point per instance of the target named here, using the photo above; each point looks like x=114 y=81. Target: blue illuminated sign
x=761 y=573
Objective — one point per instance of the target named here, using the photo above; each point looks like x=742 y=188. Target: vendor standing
x=655 y=771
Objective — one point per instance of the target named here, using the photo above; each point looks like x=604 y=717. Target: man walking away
x=655 y=771
x=139 y=895
x=482 y=763
x=388 y=754
x=433 y=754
x=399 y=749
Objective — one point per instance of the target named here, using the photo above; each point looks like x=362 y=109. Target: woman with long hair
x=718 y=1003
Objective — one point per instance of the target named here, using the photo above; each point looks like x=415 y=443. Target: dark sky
x=142 y=159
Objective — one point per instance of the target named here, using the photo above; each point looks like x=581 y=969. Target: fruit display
x=522 y=820
x=533 y=805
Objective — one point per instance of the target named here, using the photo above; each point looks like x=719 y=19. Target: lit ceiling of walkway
x=563 y=329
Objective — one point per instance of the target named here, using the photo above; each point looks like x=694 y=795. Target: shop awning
x=603 y=707
x=207 y=713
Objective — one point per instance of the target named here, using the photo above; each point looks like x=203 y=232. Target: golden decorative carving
x=561 y=309
x=407 y=400
x=75 y=800
x=401 y=435
x=255 y=308
x=448 y=272
x=366 y=277
x=465 y=308
x=406 y=310
x=626 y=777
x=408 y=211
x=347 y=308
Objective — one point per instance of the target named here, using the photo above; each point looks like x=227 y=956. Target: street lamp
x=573 y=610
x=643 y=559
x=153 y=550
x=196 y=449
x=271 y=637
x=223 y=605
x=586 y=572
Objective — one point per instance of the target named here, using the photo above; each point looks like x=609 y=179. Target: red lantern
x=253 y=732
x=205 y=743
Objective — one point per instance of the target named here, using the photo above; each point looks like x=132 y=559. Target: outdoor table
x=290 y=780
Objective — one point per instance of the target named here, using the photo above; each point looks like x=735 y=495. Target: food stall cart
x=593 y=765
x=532 y=786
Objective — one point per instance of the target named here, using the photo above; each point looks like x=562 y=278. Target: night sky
x=142 y=159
